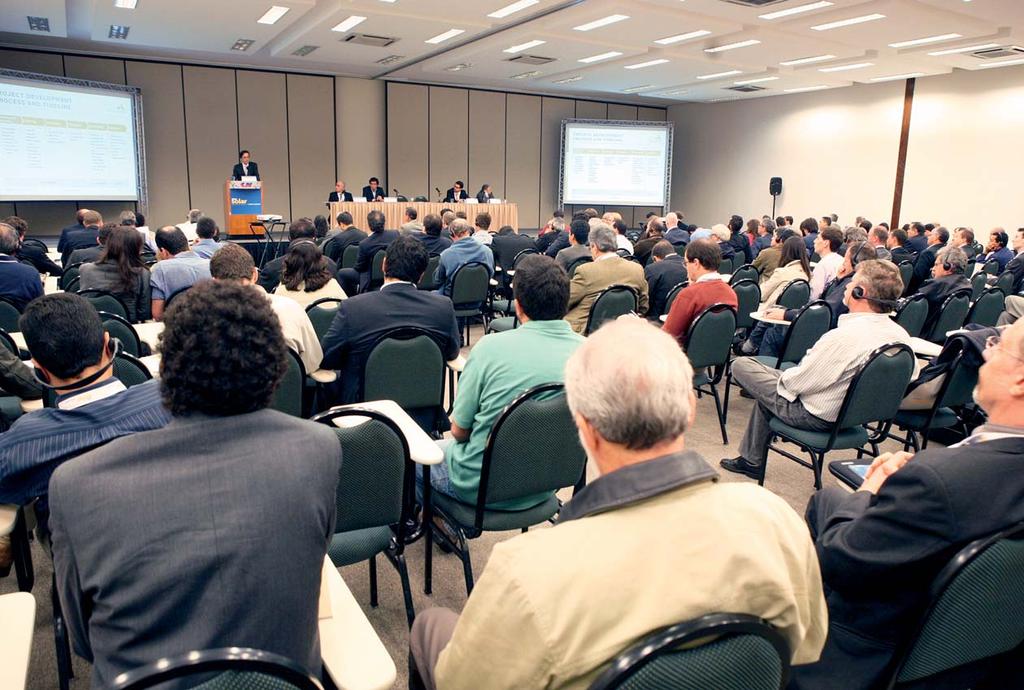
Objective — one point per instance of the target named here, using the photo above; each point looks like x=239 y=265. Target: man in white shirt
x=233 y=263
x=189 y=226
x=809 y=395
x=826 y=244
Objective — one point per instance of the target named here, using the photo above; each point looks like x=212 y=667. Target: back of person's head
x=344 y=218
x=305 y=267
x=769 y=226
x=406 y=259
x=103 y=234
x=1000 y=238
x=663 y=249
x=706 y=252
x=721 y=232
x=866 y=224
x=558 y=213
x=590 y=213
x=735 y=224
x=19 y=224
x=594 y=221
x=302 y=228
x=855 y=234
x=808 y=226
x=557 y=224
x=656 y=227
x=222 y=352
x=899 y=236
x=881 y=281
x=968 y=235
x=375 y=221
x=80 y=215
x=432 y=225
x=580 y=230
x=460 y=227
x=953 y=259
x=833 y=236
x=483 y=221
x=321 y=225
x=780 y=221
x=232 y=262
x=793 y=249
x=447 y=217
x=942 y=234
x=171 y=239
x=827 y=220
x=92 y=219
x=638 y=402
x=860 y=252
x=64 y=333
x=206 y=228
x=541 y=288
x=783 y=234
x=194 y=215
x=140 y=220
x=127 y=217
x=411 y=213
x=620 y=226
x=929 y=226
x=124 y=249
x=507 y=230
x=602 y=238
x=918 y=228
x=880 y=234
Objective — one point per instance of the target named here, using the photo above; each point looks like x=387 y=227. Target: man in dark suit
x=345 y=235
x=362 y=319
x=506 y=246
x=339 y=194
x=79 y=225
x=485 y=194
x=947 y=277
x=1015 y=266
x=937 y=239
x=245 y=167
x=358 y=279
x=917 y=239
x=431 y=236
x=88 y=255
x=880 y=547
x=373 y=191
x=666 y=270
x=897 y=246
x=19 y=283
x=301 y=230
x=31 y=253
x=80 y=239
x=456 y=193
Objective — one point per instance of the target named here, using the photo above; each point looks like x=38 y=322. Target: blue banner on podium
x=246 y=202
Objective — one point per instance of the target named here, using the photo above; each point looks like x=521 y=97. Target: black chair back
x=174 y=296
x=979 y=281
x=9 y=315
x=405 y=365
x=331 y=249
x=1005 y=282
x=350 y=256
x=672 y=294
x=34 y=242
x=427 y=279
x=748 y=298
x=745 y=272
x=521 y=255
x=321 y=313
x=571 y=268
x=105 y=301
x=810 y=323
x=992 y=267
x=239 y=667
x=877 y=390
x=377 y=269
x=795 y=295
x=7 y=341
x=613 y=302
x=129 y=370
x=986 y=309
x=951 y=315
x=912 y=314
x=709 y=339
x=119 y=327
x=470 y=284
x=288 y=397
x=906 y=273
x=70 y=273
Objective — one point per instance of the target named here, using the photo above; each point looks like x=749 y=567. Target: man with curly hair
x=174 y=532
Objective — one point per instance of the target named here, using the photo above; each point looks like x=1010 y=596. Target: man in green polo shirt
x=501 y=367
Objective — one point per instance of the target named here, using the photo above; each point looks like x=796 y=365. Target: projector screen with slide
x=615 y=163
x=69 y=140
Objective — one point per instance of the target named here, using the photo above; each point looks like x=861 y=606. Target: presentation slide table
x=501 y=214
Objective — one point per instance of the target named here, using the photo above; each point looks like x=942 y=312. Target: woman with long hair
x=305 y=276
x=793 y=265
x=121 y=271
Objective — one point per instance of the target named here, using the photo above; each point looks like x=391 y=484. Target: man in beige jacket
x=607 y=269
x=655 y=541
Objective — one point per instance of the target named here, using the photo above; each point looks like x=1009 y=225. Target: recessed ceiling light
x=744 y=82
x=389 y=0
x=716 y=75
x=126 y=4
x=669 y=40
x=649 y=63
x=807 y=60
x=598 y=23
x=796 y=10
x=389 y=59
x=730 y=46
x=304 y=51
x=524 y=46
x=118 y=31
x=273 y=14
x=1004 y=63
x=602 y=56
x=459 y=67
x=634 y=89
x=243 y=44
x=926 y=39
x=894 y=77
x=352 y=21
x=525 y=75
x=676 y=92
x=848 y=22
x=39 y=24
x=441 y=38
x=512 y=9
x=806 y=88
x=845 y=68
x=567 y=80
x=965 y=49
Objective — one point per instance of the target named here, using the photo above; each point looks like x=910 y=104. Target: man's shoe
x=747 y=348
x=740 y=465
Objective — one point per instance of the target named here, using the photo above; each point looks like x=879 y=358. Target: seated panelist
x=485 y=194
x=456 y=193
x=373 y=191
x=339 y=193
x=245 y=167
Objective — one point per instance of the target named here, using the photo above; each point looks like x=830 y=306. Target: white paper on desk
x=325 y=610
x=391 y=200
x=494 y=201
x=470 y=201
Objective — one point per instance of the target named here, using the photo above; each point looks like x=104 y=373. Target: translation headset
x=113 y=349
x=858 y=292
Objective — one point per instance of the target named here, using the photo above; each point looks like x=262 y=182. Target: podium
x=243 y=202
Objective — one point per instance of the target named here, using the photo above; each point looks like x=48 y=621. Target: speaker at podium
x=243 y=204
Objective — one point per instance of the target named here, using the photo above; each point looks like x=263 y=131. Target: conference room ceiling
x=538 y=45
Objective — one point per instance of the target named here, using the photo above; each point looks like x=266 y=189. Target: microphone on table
x=439 y=197
x=397 y=193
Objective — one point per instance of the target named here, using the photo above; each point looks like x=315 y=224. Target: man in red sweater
x=707 y=287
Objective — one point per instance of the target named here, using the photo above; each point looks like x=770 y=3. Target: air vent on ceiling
x=754 y=3
x=369 y=40
x=390 y=59
x=746 y=88
x=39 y=24
x=531 y=60
x=1001 y=52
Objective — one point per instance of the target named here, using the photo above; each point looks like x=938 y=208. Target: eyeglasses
x=993 y=342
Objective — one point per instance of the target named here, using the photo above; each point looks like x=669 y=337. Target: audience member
x=551 y=232
x=482 y=231
x=19 y=283
x=721 y=234
x=866 y=224
x=234 y=264
x=809 y=228
x=947 y=277
x=621 y=241
x=997 y=250
x=1015 y=266
x=88 y=255
x=561 y=240
x=18 y=380
x=177 y=268
x=410 y=226
x=320 y=223
x=899 y=250
x=218 y=497
x=306 y=275
x=937 y=239
x=508 y=245
x=793 y=265
x=878 y=237
x=765 y=234
x=826 y=245
x=666 y=270
x=207 y=232
x=362 y=319
x=189 y=226
x=674 y=234
x=464 y=250
x=654 y=233
x=707 y=287
x=916 y=239
x=740 y=244
x=431 y=237
x=910 y=517
x=359 y=278
x=579 y=235
x=88 y=236
x=79 y=224
x=607 y=269
x=768 y=259
x=121 y=272
x=963 y=238
x=656 y=517
x=751 y=232
x=345 y=235
x=299 y=231
x=809 y=395
x=31 y=253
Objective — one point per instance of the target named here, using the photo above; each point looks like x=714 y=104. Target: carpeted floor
x=787 y=479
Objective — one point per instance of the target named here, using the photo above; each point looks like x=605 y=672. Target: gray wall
x=305 y=131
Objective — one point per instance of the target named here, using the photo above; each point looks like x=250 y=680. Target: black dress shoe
x=740 y=465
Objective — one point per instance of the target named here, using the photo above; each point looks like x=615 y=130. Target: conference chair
x=979 y=282
x=988 y=307
x=912 y=314
x=72 y=285
x=725 y=265
x=235 y=668
x=614 y=301
x=906 y=273
x=571 y=268
x=672 y=294
x=624 y=253
x=349 y=256
x=406 y=365
x=290 y=393
x=420 y=199
x=70 y=273
x=10 y=405
x=874 y=395
x=1005 y=282
x=992 y=267
x=427 y=279
x=748 y=298
x=174 y=296
x=129 y=370
x=119 y=327
x=745 y=272
x=35 y=242
x=725 y=651
x=13 y=524
x=974 y=614
x=376 y=489
x=951 y=315
x=9 y=315
x=810 y=323
x=105 y=301
x=321 y=313
x=708 y=345
x=470 y=288
x=532 y=449
x=332 y=250
x=795 y=295
x=376 y=270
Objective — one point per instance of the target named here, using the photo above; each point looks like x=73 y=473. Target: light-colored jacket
x=590 y=279
x=782 y=276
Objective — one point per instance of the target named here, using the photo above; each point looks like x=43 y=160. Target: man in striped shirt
x=809 y=395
